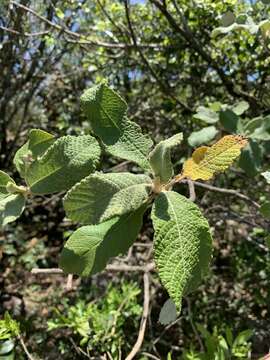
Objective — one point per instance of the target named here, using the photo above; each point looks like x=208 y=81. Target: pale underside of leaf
x=107 y=113
x=206 y=161
x=99 y=197
x=160 y=158
x=4 y=180
x=168 y=313
x=66 y=162
x=90 y=247
x=182 y=244
x=11 y=208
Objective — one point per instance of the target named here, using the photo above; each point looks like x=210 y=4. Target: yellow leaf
x=206 y=161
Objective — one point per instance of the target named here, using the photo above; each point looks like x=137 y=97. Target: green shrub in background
x=102 y=325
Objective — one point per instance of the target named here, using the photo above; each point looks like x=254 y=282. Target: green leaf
x=240 y=107
x=39 y=141
x=11 y=208
x=90 y=247
x=107 y=113
x=66 y=162
x=207 y=115
x=265 y=210
x=20 y=159
x=5 y=348
x=4 y=180
x=182 y=244
x=168 y=313
x=251 y=158
x=202 y=136
x=99 y=197
x=266 y=175
x=242 y=338
x=160 y=158
x=267 y=241
x=59 y=13
x=229 y=120
x=258 y=128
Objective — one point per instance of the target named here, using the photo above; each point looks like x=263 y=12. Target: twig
x=30 y=357
x=146 y=301
x=39 y=33
x=150 y=356
x=165 y=88
x=69 y=282
x=113 y=267
x=224 y=191
x=84 y=39
x=187 y=34
x=166 y=329
x=78 y=349
x=192 y=194
x=52 y=271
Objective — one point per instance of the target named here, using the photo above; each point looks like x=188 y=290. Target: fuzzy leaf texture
x=66 y=162
x=90 y=247
x=38 y=142
x=100 y=197
x=206 y=161
x=107 y=114
x=182 y=244
x=160 y=158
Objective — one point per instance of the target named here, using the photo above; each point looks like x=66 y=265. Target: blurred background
x=200 y=67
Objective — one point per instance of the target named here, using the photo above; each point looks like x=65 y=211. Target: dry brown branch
x=81 y=39
x=29 y=356
x=138 y=344
x=113 y=267
x=15 y=32
x=224 y=191
x=69 y=282
x=192 y=194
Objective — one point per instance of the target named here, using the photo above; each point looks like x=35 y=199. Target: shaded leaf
x=251 y=158
x=206 y=161
x=168 y=313
x=90 y=247
x=229 y=120
x=265 y=210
